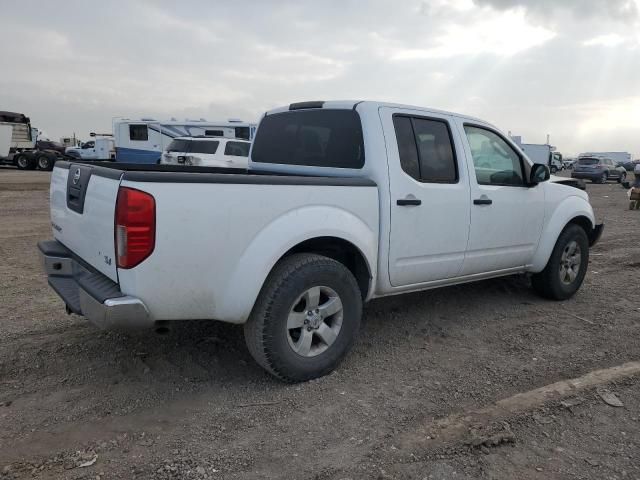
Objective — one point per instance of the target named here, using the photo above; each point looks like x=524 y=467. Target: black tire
x=622 y=177
x=267 y=335
x=548 y=283
x=603 y=178
x=25 y=161
x=553 y=169
x=45 y=161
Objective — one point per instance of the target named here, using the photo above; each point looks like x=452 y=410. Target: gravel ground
x=79 y=403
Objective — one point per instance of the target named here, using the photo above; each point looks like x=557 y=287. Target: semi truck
x=19 y=144
x=19 y=149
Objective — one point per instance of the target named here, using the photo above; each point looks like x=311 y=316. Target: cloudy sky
x=569 y=68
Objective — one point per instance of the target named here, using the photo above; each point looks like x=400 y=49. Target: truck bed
x=217 y=232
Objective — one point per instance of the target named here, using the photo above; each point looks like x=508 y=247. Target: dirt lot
x=193 y=404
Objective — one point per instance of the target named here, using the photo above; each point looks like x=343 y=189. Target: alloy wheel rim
x=570 y=263
x=314 y=321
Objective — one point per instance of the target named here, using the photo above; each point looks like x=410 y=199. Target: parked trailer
x=143 y=141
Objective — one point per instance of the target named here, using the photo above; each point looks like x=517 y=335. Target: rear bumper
x=586 y=175
x=89 y=293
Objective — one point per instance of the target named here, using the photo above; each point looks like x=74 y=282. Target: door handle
x=405 y=202
x=482 y=201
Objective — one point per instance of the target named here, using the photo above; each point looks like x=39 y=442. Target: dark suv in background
x=598 y=170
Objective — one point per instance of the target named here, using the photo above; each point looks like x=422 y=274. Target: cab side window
x=494 y=160
x=425 y=149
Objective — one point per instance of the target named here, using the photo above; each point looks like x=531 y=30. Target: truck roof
x=352 y=104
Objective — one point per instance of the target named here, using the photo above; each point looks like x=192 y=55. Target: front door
x=507 y=215
x=429 y=189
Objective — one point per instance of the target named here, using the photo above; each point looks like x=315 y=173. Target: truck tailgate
x=83 y=202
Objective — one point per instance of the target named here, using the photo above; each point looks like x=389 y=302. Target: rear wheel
x=306 y=318
x=622 y=177
x=603 y=178
x=45 y=161
x=567 y=266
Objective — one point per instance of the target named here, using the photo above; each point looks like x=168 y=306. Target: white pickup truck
x=342 y=202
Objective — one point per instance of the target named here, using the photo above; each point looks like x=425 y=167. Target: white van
x=207 y=152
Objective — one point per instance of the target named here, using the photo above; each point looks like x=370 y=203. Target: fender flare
x=276 y=239
x=571 y=209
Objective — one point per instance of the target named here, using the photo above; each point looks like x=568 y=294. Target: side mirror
x=539 y=173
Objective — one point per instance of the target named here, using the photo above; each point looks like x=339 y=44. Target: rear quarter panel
x=216 y=243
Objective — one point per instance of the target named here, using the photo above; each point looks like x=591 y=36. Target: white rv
x=144 y=140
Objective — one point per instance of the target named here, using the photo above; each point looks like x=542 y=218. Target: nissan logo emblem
x=76 y=176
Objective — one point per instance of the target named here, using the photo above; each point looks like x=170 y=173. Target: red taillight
x=135 y=226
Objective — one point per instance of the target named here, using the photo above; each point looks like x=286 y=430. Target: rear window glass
x=203 y=146
x=178 y=146
x=588 y=161
x=319 y=138
x=237 y=149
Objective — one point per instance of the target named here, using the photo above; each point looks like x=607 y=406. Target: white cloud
x=608 y=40
x=502 y=34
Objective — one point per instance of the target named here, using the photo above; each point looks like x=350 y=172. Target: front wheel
x=553 y=169
x=622 y=177
x=567 y=266
x=306 y=318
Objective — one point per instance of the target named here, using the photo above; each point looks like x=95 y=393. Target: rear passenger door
x=429 y=188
